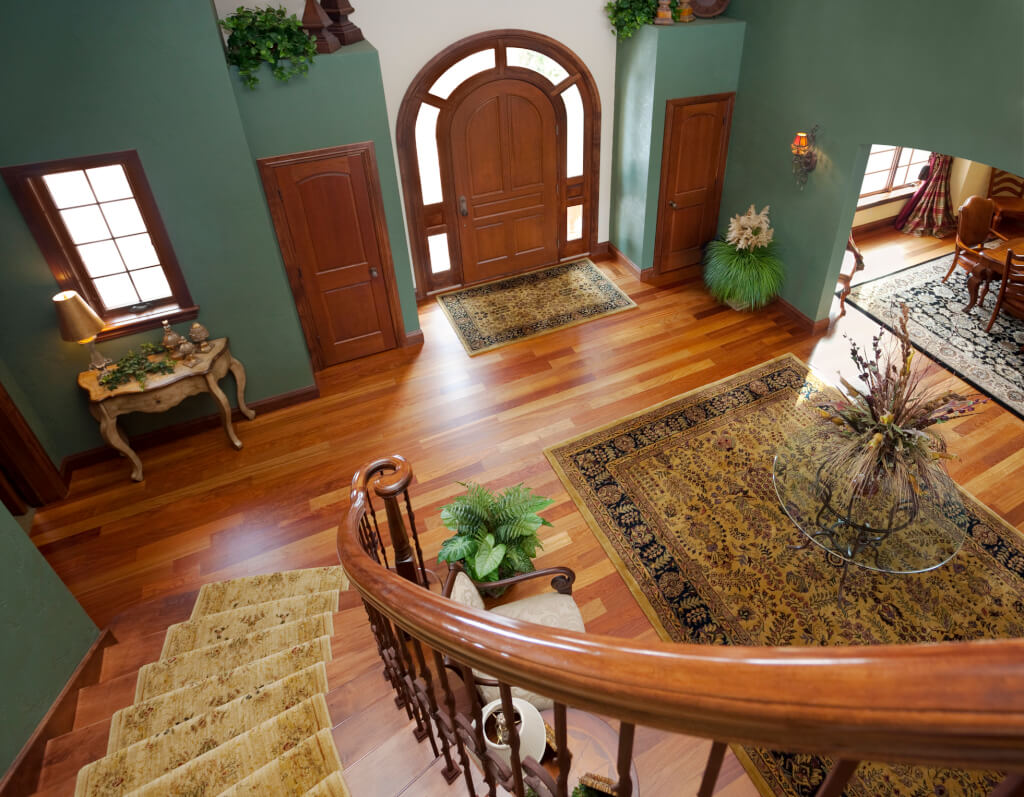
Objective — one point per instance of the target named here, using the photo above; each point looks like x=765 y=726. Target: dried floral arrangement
x=887 y=433
x=743 y=269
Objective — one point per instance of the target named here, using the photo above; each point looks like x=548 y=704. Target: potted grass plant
x=743 y=270
x=495 y=533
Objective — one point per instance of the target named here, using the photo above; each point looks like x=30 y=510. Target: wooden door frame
x=27 y=471
x=423 y=220
x=670 y=106
x=367 y=152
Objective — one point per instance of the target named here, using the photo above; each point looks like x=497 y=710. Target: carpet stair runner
x=236 y=703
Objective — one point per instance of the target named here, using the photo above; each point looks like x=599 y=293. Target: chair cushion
x=551 y=609
x=464 y=591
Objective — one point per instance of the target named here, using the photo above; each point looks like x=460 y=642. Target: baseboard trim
x=23 y=775
x=84 y=459
x=601 y=249
x=871 y=226
x=412 y=338
x=645 y=274
x=807 y=324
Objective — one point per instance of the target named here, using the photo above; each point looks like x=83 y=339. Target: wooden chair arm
x=562 y=582
x=997 y=234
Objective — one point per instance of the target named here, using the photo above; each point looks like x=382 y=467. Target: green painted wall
x=656 y=65
x=340 y=101
x=44 y=634
x=151 y=77
x=871 y=72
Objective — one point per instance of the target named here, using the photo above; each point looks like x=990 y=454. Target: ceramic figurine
x=685 y=11
x=199 y=335
x=171 y=339
x=664 y=14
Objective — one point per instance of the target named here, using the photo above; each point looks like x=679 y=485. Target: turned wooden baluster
x=624 y=787
x=415 y=535
x=376 y=530
x=513 y=739
x=450 y=771
x=476 y=715
x=449 y=721
x=711 y=770
x=423 y=729
x=564 y=756
x=386 y=648
x=837 y=779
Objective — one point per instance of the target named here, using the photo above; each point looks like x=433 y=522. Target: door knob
x=373 y=273
x=463 y=207
x=672 y=204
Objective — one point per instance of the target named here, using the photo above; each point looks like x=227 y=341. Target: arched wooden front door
x=499 y=148
x=503 y=141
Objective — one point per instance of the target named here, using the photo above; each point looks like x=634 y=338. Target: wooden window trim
x=890 y=187
x=418 y=93
x=26 y=185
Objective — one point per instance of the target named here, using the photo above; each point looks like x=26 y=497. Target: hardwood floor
x=206 y=512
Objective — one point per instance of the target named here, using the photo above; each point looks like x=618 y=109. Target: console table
x=164 y=391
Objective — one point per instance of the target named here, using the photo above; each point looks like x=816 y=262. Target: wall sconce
x=805 y=155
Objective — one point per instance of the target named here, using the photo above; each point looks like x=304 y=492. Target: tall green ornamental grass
x=744 y=268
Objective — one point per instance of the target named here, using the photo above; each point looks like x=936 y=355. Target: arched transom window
x=427 y=153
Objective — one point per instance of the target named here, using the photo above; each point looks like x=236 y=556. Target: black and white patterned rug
x=991 y=361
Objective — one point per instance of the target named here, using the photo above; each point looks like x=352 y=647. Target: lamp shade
x=800 y=144
x=78 y=321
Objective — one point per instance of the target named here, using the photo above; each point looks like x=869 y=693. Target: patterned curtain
x=927 y=212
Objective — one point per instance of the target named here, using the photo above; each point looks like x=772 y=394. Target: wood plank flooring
x=206 y=512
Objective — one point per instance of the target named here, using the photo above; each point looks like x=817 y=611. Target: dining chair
x=974 y=227
x=1011 y=289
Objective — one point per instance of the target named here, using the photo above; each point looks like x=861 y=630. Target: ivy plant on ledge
x=270 y=35
x=628 y=16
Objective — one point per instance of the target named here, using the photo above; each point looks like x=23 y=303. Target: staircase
x=370 y=735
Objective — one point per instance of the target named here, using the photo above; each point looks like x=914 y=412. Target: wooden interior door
x=329 y=218
x=504 y=139
x=27 y=474
x=692 y=169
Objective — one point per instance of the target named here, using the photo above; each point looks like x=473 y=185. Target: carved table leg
x=239 y=371
x=112 y=437
x=973 y=282
x=225 y=409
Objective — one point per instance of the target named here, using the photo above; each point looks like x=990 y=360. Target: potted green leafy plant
x=628 y=16
x=270 y=35
x=495 y=533
x=743 y=270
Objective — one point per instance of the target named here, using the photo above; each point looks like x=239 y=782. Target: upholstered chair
x=553 y=609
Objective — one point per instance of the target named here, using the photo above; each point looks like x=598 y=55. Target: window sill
x=131 y=323
x=881 y=199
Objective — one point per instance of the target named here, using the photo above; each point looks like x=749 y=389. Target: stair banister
x=956 y=704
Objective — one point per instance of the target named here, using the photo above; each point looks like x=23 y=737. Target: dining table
x=993 y=261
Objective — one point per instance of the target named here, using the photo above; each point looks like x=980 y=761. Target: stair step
x=67 y=754
x=63 y=788
x=357 y=694
x=366 y=730
x=99 y=701
x=129 y=655
x=392 y=762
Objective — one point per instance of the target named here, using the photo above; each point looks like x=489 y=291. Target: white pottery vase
x=532 y=737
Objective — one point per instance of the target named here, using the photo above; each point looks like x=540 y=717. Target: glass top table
x=870 y=529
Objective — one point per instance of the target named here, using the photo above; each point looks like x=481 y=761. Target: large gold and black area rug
x=515 y=308
x=681 y=497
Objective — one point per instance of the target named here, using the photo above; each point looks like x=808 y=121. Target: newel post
x=390 y=487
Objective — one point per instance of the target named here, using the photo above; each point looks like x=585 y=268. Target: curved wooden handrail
x=958 y=704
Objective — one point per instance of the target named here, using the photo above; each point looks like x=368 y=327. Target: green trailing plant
x=495 y=534
x=137 y=366
x=628 y=16
x=744 y=268
x=586 y=791
x=271 y=35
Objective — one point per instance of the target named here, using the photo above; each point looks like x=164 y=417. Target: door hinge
x=280 y=196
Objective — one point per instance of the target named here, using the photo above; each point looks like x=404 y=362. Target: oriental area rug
x=515 y=308
x=991 y=361
x=681 y=497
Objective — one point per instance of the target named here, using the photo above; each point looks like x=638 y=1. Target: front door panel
x=504 y=159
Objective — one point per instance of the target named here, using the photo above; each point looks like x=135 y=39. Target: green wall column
x=340 y=101
x=44 y=634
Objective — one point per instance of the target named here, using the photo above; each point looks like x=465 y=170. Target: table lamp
x=79 y=323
